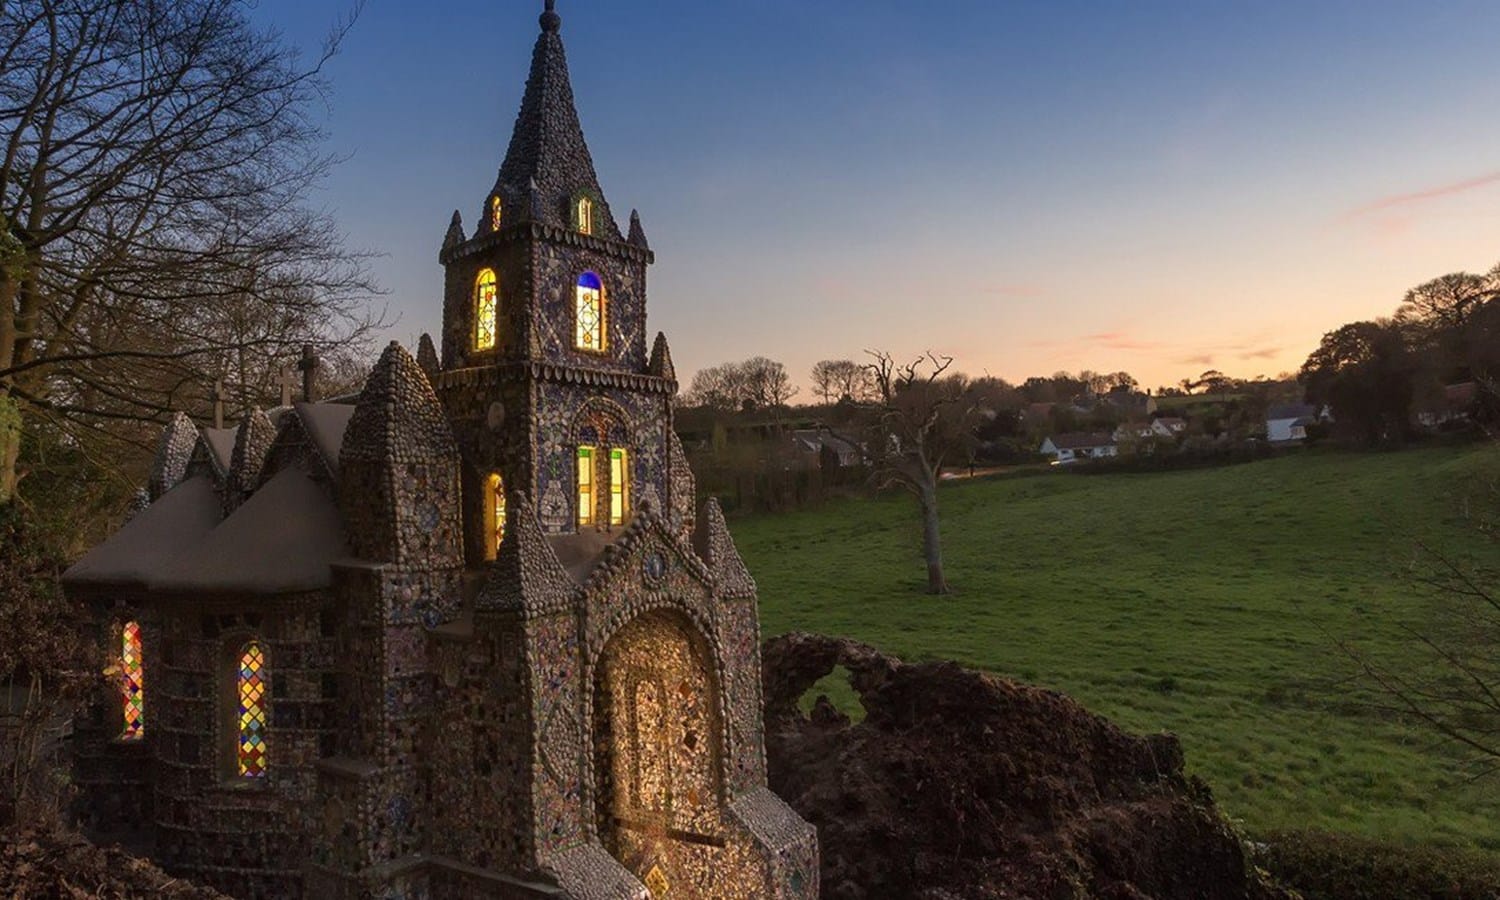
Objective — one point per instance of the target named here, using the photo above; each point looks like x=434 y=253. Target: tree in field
x=155 y=160
x=1364 y=371
x=756 y=383
x=1449 y=301
x=922 y=418
x=767 y=384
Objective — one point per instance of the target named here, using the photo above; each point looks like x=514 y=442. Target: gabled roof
x=548 y=156
x=282 y=540
x=325 y=424
x=148 y=542
x=220 y=442
x=1080 y=440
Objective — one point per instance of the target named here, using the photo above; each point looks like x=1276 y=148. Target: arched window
x=132 y=683
x=494 y=514
x=496 y=208
x=586 y=484
x=486 y=304
x=585 y=214
x=252 y=693
x=589 y=312
x=619 y=485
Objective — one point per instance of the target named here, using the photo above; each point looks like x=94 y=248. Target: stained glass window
x=486 y=304
x=590 y=312
x=494 y=514
x=586 y=485
x=585 y=215
x=252 y=719
x=132 y=683
x=495 y=209
x=619 y=485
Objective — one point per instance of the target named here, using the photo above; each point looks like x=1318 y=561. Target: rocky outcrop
x=959 y=785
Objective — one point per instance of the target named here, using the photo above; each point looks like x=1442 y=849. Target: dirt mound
x=959 y=785
x=53 y=864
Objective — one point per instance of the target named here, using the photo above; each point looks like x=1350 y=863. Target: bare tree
x=840 y=379
x=155 y=160
x=767 y=384
x=921 y=420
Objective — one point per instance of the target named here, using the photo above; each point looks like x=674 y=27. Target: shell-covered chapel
x=465 y=634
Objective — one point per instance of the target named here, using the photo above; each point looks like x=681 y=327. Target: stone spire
x=637 y=233
x=252 y=443
x=397 y=418
x=427 y=356
x=455 y=235
x=172 y=455
x=661 y=359
x=547 y=146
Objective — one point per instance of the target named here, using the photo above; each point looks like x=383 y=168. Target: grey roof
x=221 y=442
x=149 y=541
x=325 y=424
x=282 y=540
x=1292 y=411
x=1080 y=440
x=580 y=552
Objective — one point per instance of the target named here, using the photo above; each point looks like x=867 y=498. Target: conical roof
x=547 y=147
x=398 y=418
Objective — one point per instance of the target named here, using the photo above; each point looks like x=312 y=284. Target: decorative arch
x=486 y=310
x=658 y=742
x=590 y=314
x=132 y=683
x=604 y=454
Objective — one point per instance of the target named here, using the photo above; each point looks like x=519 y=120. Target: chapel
x=465 y=633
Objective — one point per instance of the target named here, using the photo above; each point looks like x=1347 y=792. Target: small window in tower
x=251 y=692
x=132 y=683
x=486 y=307
x=585 y=215
x=586 y=485
x=590 y=313
x=619 y=485
x=494 y=514
x=496 y=207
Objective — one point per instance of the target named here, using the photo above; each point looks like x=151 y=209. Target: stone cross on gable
x=219 y=397
x=286 y=381
x=309 y=366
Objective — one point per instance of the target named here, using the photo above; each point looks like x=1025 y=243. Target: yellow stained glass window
x=586 y=485
x=589 y=313
x=486 y=306
x=494 y=514
x=619 y=486
x=252 y=711
x=496 y=208
x=132 y=683
x=585 y=215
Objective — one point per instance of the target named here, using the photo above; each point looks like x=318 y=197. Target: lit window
x=495 y=210
x=494 y=515
x=585 y=215
x=486 y=300
x=619 y=486
x=586 y=485
x=132 y=683
x=590 y=313
x=252 y=717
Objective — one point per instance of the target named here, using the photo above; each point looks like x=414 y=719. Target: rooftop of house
x=1082 y=440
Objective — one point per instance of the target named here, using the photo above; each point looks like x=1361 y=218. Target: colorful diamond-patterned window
x=589 y=313
x=132 y=683
x=252 y=712
x=486 y=308
x=619 y=485
x=494 y=515
x=586 y=485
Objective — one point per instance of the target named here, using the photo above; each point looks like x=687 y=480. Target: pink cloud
x=1393 y=215
x=1265 y=353
x=1204 y=360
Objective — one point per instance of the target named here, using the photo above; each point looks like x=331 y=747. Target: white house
x=1168 y=426
x=1288 y=424
x=1071 y=448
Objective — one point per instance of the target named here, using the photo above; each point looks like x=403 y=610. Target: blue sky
x=1159 y=187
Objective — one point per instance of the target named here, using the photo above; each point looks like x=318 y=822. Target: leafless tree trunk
x=155 y=159
x=921 y=420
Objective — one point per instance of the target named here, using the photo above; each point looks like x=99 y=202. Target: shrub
x=1324 y=866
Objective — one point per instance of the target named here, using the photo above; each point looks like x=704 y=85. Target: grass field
x=1206 y=603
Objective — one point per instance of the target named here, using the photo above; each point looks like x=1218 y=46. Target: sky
x=1156 y=187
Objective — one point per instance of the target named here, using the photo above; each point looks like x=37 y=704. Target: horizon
x=1031 y=190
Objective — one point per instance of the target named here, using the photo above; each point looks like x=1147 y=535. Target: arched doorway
x=656 y=754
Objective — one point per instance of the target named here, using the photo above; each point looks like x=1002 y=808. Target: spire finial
x=551 y=21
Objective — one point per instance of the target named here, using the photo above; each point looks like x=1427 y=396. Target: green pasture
x=1208 y=603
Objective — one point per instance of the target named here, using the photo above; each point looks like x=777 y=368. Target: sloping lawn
x=1207 y=603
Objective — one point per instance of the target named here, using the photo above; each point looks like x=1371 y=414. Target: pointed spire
x=455 y=235
x=637 y=233
x=661 y=359
x=172 y=455
x=398 y=418
x=547 y=147
x=526 y=574
x=427 y=356
x=716 y=548
x=252 y=444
